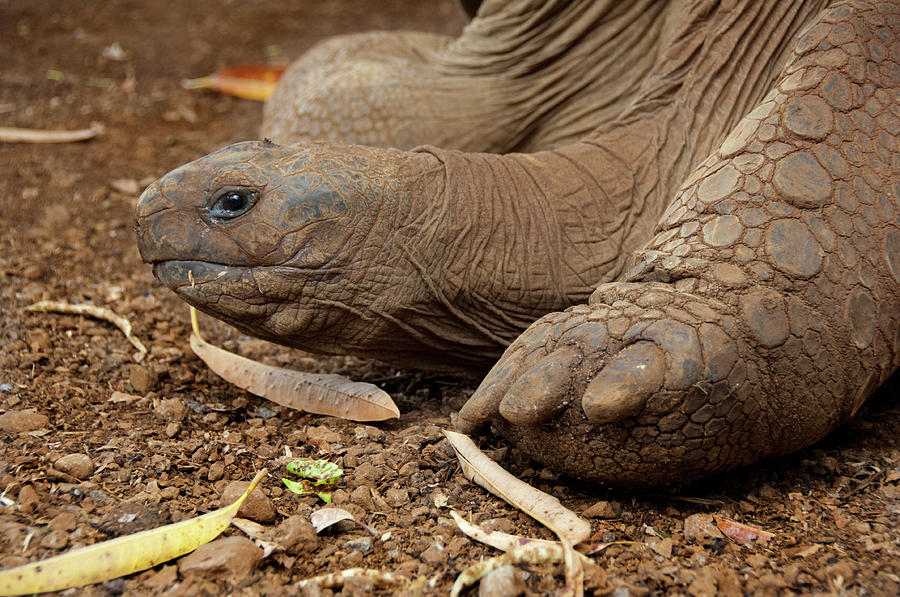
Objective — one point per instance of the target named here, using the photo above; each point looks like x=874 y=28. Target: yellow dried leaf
x=93 y=311
x=120 y=556
x=323 y=394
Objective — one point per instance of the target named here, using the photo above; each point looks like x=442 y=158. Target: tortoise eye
x=232 y=203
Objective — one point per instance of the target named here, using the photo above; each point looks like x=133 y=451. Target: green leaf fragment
x=321 y=472
x=314 y=473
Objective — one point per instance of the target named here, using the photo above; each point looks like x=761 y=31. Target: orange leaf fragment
x=246 y=81
x=742 y=533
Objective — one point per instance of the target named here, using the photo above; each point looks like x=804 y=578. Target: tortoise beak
x=162 y=232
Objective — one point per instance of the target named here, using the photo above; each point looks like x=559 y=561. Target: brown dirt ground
x=167 y=452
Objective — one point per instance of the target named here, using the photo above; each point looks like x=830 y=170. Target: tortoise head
x=267 y=237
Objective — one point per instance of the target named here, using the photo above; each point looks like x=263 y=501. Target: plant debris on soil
x=96 y=443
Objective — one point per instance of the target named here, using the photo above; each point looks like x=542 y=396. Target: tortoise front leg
x=766 y=308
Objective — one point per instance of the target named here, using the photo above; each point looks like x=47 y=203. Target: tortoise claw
x=622 y=387
x=543 y=390
x=485 y=402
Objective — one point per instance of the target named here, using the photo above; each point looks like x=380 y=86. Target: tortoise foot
x=650 y=385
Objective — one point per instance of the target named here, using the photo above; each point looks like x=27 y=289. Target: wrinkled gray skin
x=693 y=262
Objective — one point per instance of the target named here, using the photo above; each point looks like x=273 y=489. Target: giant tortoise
x=675 y=223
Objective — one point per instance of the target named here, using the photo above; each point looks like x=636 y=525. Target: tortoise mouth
x=185 y=277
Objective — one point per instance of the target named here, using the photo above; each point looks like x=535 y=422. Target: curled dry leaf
x=546 y=509
x=335 y=580
x=742 y=533
x=323 y=518
x=321 y=394
x=505 y=541
x=247 y=81
x=121 y=556
x=93 y=311
x=17 y=135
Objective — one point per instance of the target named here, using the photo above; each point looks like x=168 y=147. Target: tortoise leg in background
x=765 y=309
x=364 y=88
x=522 y=76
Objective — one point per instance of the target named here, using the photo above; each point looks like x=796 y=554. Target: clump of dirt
x=94 y=444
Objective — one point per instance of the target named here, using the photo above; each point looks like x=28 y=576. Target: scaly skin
x=764 y=310
x=760 y=315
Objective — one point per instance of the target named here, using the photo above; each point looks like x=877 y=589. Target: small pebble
x=266 y=413
x=362 y=497
x=296 y=535
x=6 y=387
x=256 y=507
x=22 y=421
x=64 y=521
x=324 y=433
x=367 y=474
x=143 y=379
x=505 y=581
x=700 y=527
x=396 y=497
x=601 y=509
x=28 y=498
x=216 y=471
x=435 y=554
x=55 y=540
x=32 y=272
x=171 y=409
x=361 y=544
x=39 y=340
x=79 y=466
x=233 y=556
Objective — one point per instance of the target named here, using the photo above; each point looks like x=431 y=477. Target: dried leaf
x=532 y=554
x=17 y=135
x=321 y=394
x=247 y=81
x=803 y=551
x=546 y=509
x=323 y=518
x=543 y=507
x=93 y=311
x=505 y=541
x=335 y=580
x=118 y=396
x=120 y=556
x=742 y=533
